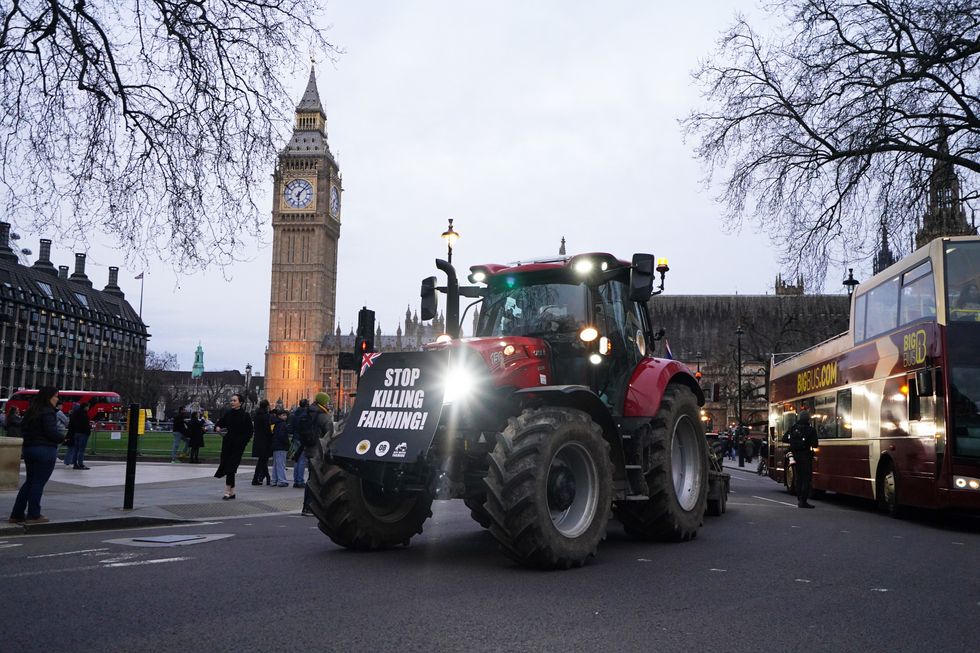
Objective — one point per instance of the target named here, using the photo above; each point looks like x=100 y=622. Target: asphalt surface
x=765 y=576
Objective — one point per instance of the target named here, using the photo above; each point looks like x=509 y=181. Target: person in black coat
x=79 y=430
x=40 y=452
x=236 y=427
x=262 y=444
x=280 y=447
x=195 y=435
x=802 y=439
x=13 y=423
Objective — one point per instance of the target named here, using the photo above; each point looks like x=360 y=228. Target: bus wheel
x=888 y=491
x=790 y=478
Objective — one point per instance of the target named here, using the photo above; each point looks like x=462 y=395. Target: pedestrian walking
x=300 y=428
x=262 y=443
x=236 y=428
x=279 y=447
x=322 y=427
x=79 y=430
x=195 y=437
x=180 y=435
x=802 y=438
x=40 y=452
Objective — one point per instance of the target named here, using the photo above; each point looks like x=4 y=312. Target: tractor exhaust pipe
x=452 y=298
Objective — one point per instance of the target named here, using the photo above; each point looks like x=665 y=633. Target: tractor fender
x=582 y=398
x=649 y=381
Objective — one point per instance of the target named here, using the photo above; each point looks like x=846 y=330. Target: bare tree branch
x=153 y=122
x=834 y=126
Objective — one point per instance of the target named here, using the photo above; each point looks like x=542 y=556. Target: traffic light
x=364 y=342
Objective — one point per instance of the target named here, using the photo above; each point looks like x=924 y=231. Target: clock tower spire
x=305 y=232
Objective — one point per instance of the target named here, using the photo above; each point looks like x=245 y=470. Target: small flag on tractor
x=368 y=361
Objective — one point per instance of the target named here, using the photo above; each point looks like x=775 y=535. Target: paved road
x=766 y=576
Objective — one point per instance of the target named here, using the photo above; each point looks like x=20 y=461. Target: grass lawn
x=152 y=443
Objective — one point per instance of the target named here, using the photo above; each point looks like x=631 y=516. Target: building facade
x=58 y=329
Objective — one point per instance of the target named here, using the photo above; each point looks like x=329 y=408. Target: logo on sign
x=914 y=348
x=400 y=450
x=363 y=447
x=382 y=448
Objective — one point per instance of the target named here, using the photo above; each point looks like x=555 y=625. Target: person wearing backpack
x=322 y=427
x=802 y=438
x=301 y=432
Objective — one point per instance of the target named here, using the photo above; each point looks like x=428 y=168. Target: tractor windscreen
x=533 y=310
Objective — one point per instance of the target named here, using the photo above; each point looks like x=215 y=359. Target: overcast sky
x=523 y=121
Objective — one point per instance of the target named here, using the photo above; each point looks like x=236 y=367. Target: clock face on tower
x=335 y=201
x=298 y=193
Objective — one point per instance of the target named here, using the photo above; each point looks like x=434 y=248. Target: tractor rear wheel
x=358 y=514
x=550 y=488
x=674 y=457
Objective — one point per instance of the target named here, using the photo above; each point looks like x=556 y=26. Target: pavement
x=164 y=493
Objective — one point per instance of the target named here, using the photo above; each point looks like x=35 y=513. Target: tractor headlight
x=460 y=383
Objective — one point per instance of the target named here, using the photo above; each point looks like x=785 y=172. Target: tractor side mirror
x=430 y=303
x=641 y=277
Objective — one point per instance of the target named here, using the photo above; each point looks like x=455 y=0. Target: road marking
x=782 y=503
x=845 y=531
x=958 y=543
x=145 y=562
x=65 y=553
x=879 y=589
x=713 y=569
x=4 y=545
x=803 y=580
x=644 y=560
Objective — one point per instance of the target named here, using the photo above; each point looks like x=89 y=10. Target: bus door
x=917 y=461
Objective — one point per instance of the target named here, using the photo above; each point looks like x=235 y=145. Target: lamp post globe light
x=450 y=235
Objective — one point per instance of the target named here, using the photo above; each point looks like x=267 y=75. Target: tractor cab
x=587 y=311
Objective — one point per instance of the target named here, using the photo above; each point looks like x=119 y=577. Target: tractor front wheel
x=550 y=488
x=360 y=515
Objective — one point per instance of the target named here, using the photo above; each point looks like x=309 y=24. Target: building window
x=45 y=288
x=82 y=299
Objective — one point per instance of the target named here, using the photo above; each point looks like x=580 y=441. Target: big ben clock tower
x=305 y=231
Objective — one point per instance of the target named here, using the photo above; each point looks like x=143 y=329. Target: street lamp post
x=741 y=448
x=450 y=235
x=850 y=282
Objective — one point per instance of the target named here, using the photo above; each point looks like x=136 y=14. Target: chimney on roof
x=62 y=271
x=43 y=262
x=78 y=276
x=6 y=252
x=112 y=288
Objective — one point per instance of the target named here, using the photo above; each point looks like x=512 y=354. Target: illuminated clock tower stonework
x=305 y=232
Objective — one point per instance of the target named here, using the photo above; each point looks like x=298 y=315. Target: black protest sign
x=397 y=410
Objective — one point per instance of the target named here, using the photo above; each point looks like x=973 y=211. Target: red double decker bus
x=102 y=406
x=896 y=399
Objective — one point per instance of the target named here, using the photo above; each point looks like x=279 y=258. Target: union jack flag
x=367 y=362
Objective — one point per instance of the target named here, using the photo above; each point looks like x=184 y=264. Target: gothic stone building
x=59 y=330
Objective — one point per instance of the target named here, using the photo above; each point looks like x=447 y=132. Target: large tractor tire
x=674 y=457
x=550 y=488
x=478 y=510
x=357 y=514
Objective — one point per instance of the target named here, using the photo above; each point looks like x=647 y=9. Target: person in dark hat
x=802 y=439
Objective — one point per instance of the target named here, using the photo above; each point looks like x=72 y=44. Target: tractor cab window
x=543 y=310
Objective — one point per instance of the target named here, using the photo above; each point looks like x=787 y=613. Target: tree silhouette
x=834 y=125
x=153 y=122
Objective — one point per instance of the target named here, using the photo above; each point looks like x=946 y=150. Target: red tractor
x=554 y=417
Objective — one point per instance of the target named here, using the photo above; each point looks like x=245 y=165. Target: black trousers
x=804 y=477
x=261 y=469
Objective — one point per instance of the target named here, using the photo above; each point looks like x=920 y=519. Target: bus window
x=860 y=304
x=963 y=281
x=824 y=417
x=915 y=406
x=918 y=294
x=882 y=308
x=844 y=425
x=964 y=391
